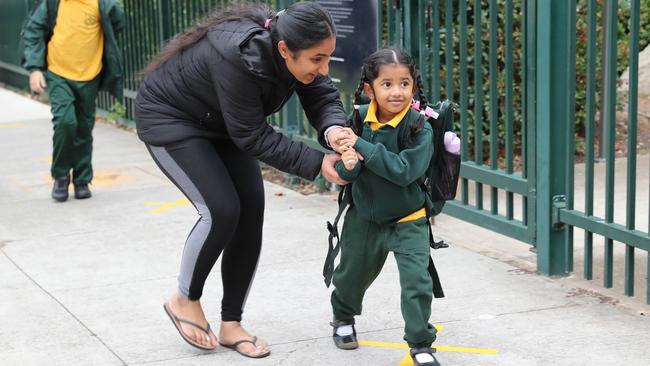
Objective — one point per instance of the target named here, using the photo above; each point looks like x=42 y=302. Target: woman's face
x=307 y=64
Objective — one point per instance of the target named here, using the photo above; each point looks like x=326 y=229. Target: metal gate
x=511 y=65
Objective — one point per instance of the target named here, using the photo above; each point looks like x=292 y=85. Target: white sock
x=344 y=330
x=424 y=357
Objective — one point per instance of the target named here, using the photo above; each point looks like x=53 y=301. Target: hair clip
x=267 y=23
x=356 y=106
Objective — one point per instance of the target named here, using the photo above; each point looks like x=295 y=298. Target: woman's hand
x=347 y=137
x=334 y=136
x=349 y=158
x=329 y=172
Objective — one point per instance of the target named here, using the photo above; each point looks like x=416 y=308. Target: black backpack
x=439 y=184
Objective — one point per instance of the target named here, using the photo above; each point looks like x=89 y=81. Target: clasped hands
x=342 y=141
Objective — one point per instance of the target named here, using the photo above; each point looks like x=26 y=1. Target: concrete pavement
x=83 y=282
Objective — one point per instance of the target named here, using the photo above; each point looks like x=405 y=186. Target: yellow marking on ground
x=110 y=178
x=488 y=351
x=408 y=361
x=11 y=125
x=164 y=206
x=46 y=159
x=102 y=178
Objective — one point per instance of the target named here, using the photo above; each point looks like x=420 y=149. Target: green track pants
x=364 y=249
x=73 y=110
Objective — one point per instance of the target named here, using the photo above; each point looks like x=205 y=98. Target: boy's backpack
x=439 y=184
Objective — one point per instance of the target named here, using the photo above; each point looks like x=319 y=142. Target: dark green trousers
x=364 y=249
x=73 y=110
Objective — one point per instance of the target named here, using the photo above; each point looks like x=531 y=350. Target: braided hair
x=370 y=72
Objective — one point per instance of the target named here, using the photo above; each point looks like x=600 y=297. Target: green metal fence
x=511 y=67
x=457 y=43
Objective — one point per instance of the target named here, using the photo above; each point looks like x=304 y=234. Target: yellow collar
x=373 y=121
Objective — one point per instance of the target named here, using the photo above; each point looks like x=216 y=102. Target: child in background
x=387 y=213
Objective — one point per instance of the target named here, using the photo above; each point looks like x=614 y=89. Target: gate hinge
x=559 y=203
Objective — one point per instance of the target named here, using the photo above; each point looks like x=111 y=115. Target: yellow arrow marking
x=12 y=125
x=164 y=206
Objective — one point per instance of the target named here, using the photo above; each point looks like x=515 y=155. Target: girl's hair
x=370 y=71
x=302 y=25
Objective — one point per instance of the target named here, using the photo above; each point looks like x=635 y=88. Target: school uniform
x=74 y=41
x=387 y=215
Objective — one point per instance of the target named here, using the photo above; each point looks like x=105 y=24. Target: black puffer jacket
x=224 y=86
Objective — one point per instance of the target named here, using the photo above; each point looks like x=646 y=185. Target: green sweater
x=386 y=183
x=40 y=26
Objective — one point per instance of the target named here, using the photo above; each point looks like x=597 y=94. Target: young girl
x=387 y=212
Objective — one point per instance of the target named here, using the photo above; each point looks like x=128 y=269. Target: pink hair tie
x=428 y=111
x=267 y=23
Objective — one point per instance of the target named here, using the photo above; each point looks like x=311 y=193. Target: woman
x=201 y=112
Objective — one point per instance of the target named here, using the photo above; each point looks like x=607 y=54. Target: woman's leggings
x=225 y=186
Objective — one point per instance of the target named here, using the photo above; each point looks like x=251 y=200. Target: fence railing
x=512 y=66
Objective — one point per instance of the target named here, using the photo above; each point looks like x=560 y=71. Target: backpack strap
x=344 y=200
x=437 y=287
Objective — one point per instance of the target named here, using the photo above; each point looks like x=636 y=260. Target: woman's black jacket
x=224 y=87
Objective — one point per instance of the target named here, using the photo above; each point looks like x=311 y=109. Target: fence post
x=165 y=14
x=552 y=111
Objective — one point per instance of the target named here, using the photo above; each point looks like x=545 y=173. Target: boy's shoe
x=348 y=341
x=81 y=191
x=422 y=356
x=60 y=188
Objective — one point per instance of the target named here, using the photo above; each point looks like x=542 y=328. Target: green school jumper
x=384 y=190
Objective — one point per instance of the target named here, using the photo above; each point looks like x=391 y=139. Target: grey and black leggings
x=225 y=186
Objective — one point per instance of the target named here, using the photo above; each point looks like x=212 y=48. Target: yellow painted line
x=11 y=125
x=165 y=206
x=406 y=361
x=487 y=351
x=46 y=159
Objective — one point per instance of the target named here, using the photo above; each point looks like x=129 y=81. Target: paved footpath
x=83 y=282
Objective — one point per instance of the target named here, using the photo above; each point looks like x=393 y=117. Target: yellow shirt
x=77 y=45
x=373 y=122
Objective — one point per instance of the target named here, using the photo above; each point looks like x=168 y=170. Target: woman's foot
x=233 y=335
x=191 y=311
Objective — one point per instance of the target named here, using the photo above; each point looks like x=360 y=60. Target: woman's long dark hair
x=302 y=25
x=370 y=72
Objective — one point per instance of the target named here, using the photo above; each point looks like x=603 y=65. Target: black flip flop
x=236 y=344
x=177 y=323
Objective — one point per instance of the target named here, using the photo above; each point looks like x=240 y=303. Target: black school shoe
x=60 y=188
x=420 y=350
x=81 y=191
x=345 y=342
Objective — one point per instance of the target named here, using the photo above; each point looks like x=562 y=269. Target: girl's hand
x=349 y=158
x=349 y=139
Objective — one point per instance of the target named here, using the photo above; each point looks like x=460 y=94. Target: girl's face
x=307 y=64
x=393 y=90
